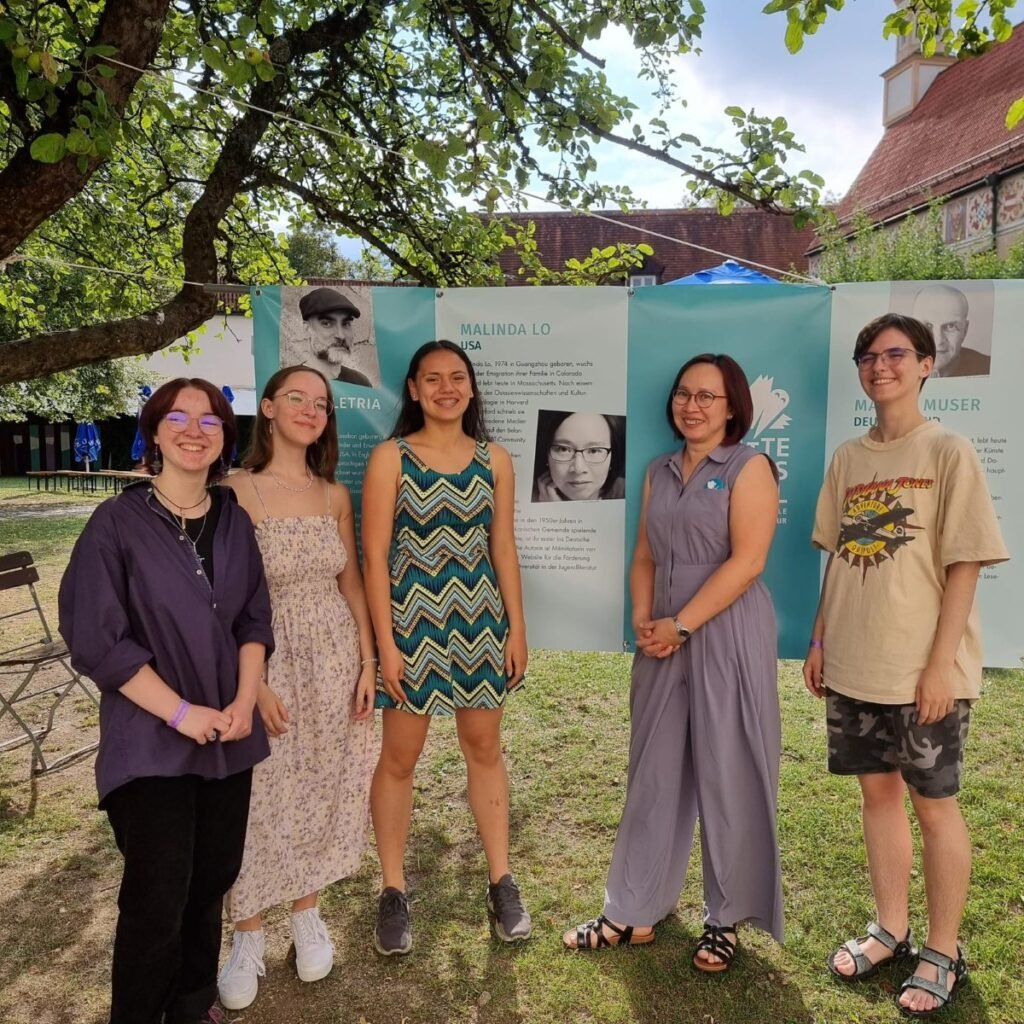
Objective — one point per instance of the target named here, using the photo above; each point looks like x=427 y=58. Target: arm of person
x=641 y=585
x=935 y=694
x=251 y=658
x=815 y=661
x=350 y=584
x=96 y=626
x=380 y=494
x=753 y=511
x=505 y=559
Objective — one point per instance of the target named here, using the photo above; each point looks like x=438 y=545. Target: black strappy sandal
x=863 y=968
x=585 y=931
x=940 y=988
x=714 y=941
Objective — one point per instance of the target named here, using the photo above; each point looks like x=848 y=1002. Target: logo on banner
x=769 y=419
x=769 y=403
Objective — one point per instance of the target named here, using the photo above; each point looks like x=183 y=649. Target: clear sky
x=830 y=92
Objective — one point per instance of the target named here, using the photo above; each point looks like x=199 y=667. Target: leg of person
x=862 y=742
x=479 y=731
x=222 y=813
x=736 y=739
x=153 y=820
x=935 y=755
x=402 y=742
x=652 y=846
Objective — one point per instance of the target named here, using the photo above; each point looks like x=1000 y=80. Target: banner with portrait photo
x=361 y=338
x=974 y=391
x=551 y=368
x=779 y=336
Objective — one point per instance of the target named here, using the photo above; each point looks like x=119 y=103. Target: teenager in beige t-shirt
x=906 y=516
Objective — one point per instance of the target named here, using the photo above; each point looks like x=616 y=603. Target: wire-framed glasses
x=178 y=421
x=594 y=454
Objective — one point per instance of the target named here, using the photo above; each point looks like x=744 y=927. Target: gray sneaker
x=393 y=934
x=511 y=919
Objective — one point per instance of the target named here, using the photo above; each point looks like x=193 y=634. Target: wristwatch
x=683 y=632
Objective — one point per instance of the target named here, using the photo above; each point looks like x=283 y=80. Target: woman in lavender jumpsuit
x=705 y=728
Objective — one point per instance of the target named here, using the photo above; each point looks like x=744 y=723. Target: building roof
x=955 y=136
x=746 y=235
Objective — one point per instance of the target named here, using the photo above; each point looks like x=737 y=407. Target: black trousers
x=182 y=840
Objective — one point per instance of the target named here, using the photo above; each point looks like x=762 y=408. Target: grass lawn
x=566 y=738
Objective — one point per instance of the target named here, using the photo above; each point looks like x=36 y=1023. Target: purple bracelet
x=817 y=645
x=179 y=716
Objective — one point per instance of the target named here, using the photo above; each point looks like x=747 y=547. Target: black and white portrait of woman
x=580 y=456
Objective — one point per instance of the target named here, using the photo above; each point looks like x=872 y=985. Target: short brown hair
x=161 y=402
x=915 y=331
x=321 y=455
x=737 y=394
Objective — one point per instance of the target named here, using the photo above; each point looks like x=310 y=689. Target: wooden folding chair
x=27 y=658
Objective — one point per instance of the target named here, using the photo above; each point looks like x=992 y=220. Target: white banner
x=977 y=393
x=551 y=368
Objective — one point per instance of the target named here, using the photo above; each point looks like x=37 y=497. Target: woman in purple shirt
x=164 y=606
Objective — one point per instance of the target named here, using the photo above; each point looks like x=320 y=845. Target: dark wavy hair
x=916 y=332
x=161 y=402
x=410 y=414
x=548 y=422
x=737 y=394
x=321 y=455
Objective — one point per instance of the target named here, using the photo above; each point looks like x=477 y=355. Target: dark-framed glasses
x=892 y=356
x=300 y=400
x=178 y=421
x=703 y=398
x=594 y=454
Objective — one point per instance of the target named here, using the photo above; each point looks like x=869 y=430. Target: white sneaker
x=236 y=983
x=314 y=952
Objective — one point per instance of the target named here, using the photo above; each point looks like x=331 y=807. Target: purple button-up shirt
x=134 y=594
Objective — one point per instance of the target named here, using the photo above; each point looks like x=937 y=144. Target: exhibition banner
x=973 y=390
x=779 y=336
x=551 y=367
x=552 y=371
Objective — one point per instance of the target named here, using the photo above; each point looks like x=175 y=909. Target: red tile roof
x=746 y=235
x=956 y=136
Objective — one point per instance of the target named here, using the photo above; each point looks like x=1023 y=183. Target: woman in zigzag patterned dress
x=442 y=580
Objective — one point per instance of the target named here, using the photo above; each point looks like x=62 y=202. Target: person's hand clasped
x=657 y=638
x=392 y=671
x=813 y=667
x=203 y=724
x=935 y=697
x=272 y=711
x=240 y=714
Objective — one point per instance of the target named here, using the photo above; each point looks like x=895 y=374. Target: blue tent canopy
x=87 y=443
x=729 y=272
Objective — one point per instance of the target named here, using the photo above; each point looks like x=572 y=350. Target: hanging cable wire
x=568 y=207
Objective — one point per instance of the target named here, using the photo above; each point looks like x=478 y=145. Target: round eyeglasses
x=300 y=400
x=703 y=398
x=178 y=421
x=594 y=454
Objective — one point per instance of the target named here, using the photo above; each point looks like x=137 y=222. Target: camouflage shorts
x=865 y=738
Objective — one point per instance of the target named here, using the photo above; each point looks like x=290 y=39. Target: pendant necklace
x=295 y=490
x=182 y=509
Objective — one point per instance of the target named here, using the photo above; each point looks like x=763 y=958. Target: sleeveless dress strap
x=252 y=480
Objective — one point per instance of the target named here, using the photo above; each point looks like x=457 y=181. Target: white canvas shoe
x=314 y=952
x=237 y=982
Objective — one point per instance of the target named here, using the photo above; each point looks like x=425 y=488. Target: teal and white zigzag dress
x=446 y=611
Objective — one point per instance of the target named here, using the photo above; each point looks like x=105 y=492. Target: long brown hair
x=321 y=455
x=161 y=402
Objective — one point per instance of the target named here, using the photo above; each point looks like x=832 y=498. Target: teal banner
x=361 y=338
x=779 y=334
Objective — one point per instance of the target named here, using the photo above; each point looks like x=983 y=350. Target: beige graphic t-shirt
x=895 y=515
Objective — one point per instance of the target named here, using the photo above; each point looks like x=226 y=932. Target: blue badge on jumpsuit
x=715 y=484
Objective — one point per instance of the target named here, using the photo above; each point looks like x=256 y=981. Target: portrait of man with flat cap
x=333 y=327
